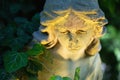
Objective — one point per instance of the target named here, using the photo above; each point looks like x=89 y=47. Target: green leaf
x=14 y=61
x=9 y=30
x=16 y=44
x=77 y=74
x=33 y=67
x=37 y=49
x=6 y=76
x=66 y=78
x=20 y=32
x=56 y=78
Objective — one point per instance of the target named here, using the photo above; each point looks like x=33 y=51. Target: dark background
x=20 y=18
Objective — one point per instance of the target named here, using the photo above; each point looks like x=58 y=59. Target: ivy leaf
x=20 y=32
x=37 y=49
x=4 y=75
x=16 y=43
x=66 y=78
x=77 y=74
x=56 y=78
x=33 y=67
x=14 y=61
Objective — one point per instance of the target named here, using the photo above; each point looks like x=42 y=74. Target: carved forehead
x=74 y=22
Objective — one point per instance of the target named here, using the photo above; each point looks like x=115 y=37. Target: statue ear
x=94 y=47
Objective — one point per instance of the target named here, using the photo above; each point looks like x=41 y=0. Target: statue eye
x=65 y=32
x=80 y=32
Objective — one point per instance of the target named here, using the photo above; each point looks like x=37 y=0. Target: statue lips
x=74 y=47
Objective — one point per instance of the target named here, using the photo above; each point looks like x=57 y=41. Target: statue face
x=74 y=30
x=74 y=38
x=74 y=33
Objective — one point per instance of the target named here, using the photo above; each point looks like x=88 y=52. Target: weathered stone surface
x=70 y=30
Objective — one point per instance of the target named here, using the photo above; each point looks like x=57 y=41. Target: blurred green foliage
x=76 y=76
x=59 y=78
x=110 y=52
x=112 y=10
x=20 y=18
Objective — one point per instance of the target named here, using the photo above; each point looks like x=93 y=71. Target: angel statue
x=70 y=30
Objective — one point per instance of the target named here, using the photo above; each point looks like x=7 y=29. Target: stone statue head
x=73 y=26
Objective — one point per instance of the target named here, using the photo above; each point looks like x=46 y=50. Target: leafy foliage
x=33 y=67
x=14 y=61
x=4 y=75
x=111 y=9
x=37 y=49
x=18 y=20
x=77 y=74
x=56 y=78
x=111 y=41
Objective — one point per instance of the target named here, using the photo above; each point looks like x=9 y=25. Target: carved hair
x=89 y=12
x=51 y=24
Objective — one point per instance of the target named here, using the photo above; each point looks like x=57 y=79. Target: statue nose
x=74 y=41
x=73 y=38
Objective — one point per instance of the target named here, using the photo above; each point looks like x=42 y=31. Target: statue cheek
x=84 y=39
x=63 y=39
x=62 y=36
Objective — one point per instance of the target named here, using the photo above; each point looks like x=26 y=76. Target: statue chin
x=74 y=47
